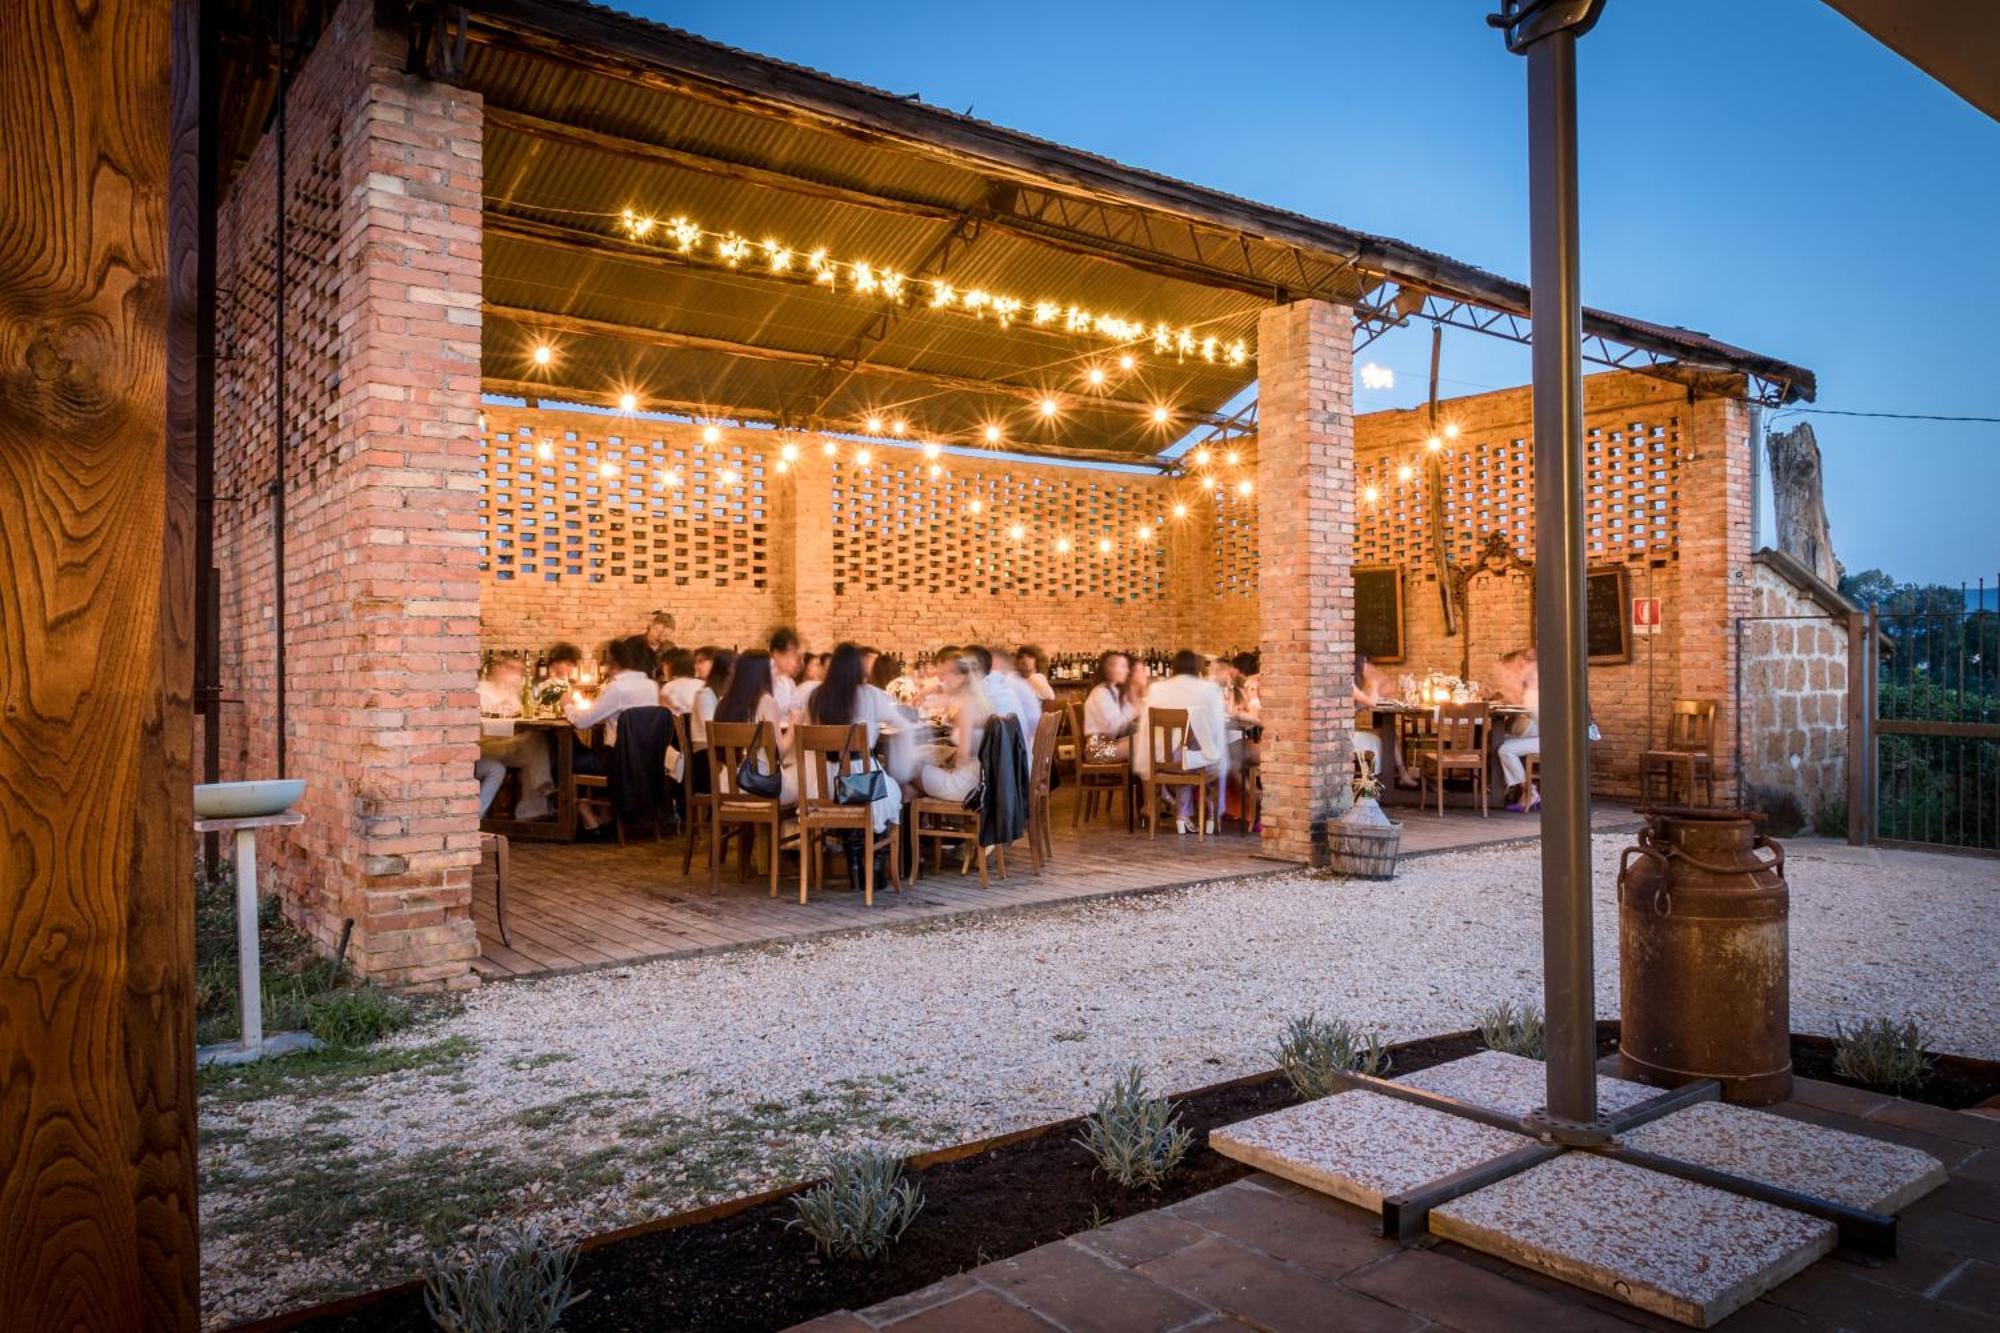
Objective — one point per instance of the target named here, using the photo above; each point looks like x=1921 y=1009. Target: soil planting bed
x=1955 y=1083
x=740 y=1268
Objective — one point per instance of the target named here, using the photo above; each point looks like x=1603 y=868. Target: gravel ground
x=599 y=1099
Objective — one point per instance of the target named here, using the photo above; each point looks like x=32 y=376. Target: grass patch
x=324 y=1072
x=576 y=1106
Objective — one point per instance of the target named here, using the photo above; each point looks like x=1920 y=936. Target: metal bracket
x=1525 y=22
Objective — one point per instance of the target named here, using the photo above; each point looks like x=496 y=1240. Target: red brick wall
x=1305 y=549
x=381 y=492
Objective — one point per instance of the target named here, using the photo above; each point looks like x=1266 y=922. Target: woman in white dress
x=962 y=694
x=1205 y=745
x=1108 y=714
x=844 y=698
x=1031 y=662
x=749 y=699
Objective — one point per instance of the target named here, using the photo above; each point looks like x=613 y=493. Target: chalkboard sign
x=1378 y=613
x=1609 y=632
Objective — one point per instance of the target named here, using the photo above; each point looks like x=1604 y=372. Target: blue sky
x=1764 y=172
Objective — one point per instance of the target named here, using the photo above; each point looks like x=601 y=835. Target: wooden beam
x=539 y=392
x=666 y=340
x=96 y=915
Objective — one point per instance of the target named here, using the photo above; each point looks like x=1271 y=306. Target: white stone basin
x=246 y=800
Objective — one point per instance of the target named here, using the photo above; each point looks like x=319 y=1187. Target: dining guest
x=1009 y=693
x=751 y=697
x=845 y=698
x=1517 y=680
x=1369 y=685
x=868 y=656
x=721 y=663
x=679 y=683
x=630 y=685
x=1249 y=667
x=1108 y=715
x=1031 y=662
x=704 y=661
x=1243 y=728
x=500 y=699
x=659 y=633
x=564 y=662
x=809 y=682
x=1140 y=683
x=1204 y=745
x=954 y=774
x=787 y=654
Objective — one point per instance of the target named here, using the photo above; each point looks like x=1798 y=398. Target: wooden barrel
x=1365 y=851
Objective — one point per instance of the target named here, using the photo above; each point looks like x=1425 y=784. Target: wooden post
x=1858 y=738
x=97 y=1205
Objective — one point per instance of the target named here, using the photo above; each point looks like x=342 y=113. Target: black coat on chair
x=1003 y=771
x=639 y=787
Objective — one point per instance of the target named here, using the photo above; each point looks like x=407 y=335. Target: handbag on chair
x=863 y=788
x=754 y=781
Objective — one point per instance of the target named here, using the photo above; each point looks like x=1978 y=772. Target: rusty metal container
x=1704 y=984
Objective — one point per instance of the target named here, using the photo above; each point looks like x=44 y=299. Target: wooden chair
x=1096 y=779
x=1041 y=771
x=1689 y=754
x=697 y=807
x=827 y=753
x=939 y=821
x=1461 y=748
x=1166 y=741
x=734 y=812
x=496 y=845
x=654 y=724
x=1416 y=734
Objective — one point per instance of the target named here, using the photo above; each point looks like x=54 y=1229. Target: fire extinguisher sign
x=1645 y=615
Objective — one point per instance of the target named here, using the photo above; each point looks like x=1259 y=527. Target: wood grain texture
x=96 y=1203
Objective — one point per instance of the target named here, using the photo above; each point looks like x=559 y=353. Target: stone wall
x=1794 y=692
x=382 y=488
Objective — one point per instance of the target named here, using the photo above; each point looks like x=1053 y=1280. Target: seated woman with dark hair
x=749 y=699
x=678 y=682
x=844 y=699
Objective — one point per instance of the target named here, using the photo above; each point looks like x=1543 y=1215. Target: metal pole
x=1547 y=30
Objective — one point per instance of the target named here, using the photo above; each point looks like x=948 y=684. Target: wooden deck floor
x=597 y=904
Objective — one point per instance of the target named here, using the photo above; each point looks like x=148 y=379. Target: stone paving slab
x=1677 y=1249
x=1362 y=1147
x=1516 y=1084
x=1794 y=1154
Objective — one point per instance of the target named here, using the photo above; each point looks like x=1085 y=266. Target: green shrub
x=862 y=1207
x=355 y=1015
x=508 y=1281
x=1314 y=1049
x=1830 y=819
x=1882 y=1054
x=1135 y=1137
x=1515 y=1031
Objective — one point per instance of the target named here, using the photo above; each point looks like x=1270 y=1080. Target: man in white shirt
x=1009 y=693
x=1206 y=744
x=630 y=686
x=788 y=655
x=502 y=748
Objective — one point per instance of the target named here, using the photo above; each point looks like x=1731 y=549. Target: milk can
x=1704 y=968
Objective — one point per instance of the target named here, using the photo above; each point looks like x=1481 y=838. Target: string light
x=711 y=435
x=731 y=477
x=1049 y=407
x=1433 y=444
x=1126 y=361
x=1016 y=532
x=543 y=354
x=864 y=457
x=628 y=402
x=898 y=426
x=829 y=448
x=873 y=425
x=937 y=470
x=1180 y=511
x=1371 y=494
x=790 y=452
x=975 y=506
x=607 y=470
x=1201 y=456
x=1062 y=546
x=864 y=278
x=1244 y=487
x=1104 y=546
x=1160 y=415
x=1232 y=458
x=993 y=435
x=1377 y=377
x=671 y=478
x=1405 y=472
x=932 y=450
x=545 y=451
x=1145 y=533
x=1096 y=376
x=1451 y=430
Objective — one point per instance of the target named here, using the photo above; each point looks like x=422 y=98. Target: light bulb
x=863 y=457
x=1062 y=546
x=1371 y=494
x=937 y=470
x=545 y=452
x=544 y=354
x=933 y=449
x=1145 y=533
x=790 y=453
x=829 y=448
x=898 y=426
x=607 y=469
x=1096 y=375
x=783 y=467
x=673 y=479
x=1232 y=458
x=628 y=402
x=1017 y=532
x=1126 y=362
x=1405 y=472
x=1451 y=431
x=1433 y=444
x=1180 y=511
x=1160 y=415
x=1049 y=407
x=975 y=506
x=1201 y=457
x=1244 y=487
x=1104 y=546
x=710 y=435
x=873 y=425
x=731 y=477
x=993 y=435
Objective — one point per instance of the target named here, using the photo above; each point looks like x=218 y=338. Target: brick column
x=1715 y=581
x=1305 y=542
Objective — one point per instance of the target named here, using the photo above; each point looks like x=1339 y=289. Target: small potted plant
x=1363 y=842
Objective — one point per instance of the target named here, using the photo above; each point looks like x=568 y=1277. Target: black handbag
x=975 y=800
x=864 y=788
x=754 y=781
